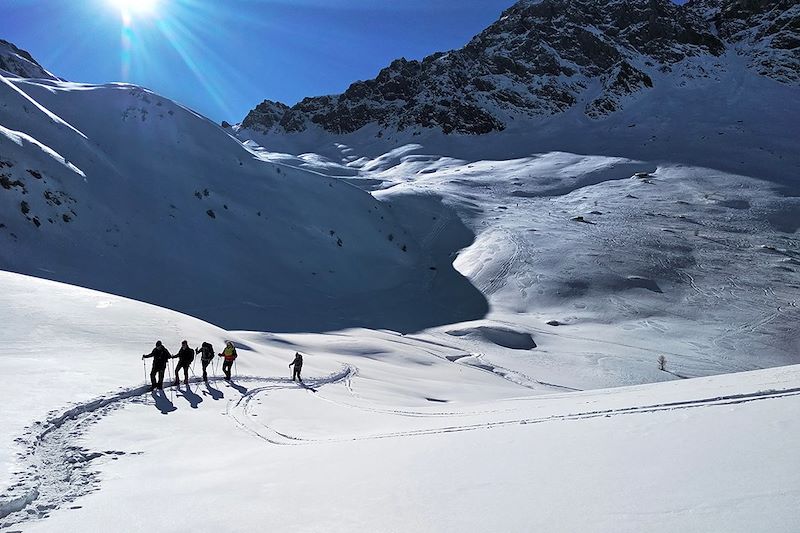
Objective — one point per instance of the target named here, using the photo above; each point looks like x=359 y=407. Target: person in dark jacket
x=298 y=366
x=160 y=357
x=207 y=356
x=230 y=355
x=185 y=358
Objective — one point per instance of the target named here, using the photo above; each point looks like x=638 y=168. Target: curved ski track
x=55 y=471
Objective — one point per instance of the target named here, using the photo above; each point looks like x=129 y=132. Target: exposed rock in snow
x=542 y=58
x=20 y=63
x=767 y=32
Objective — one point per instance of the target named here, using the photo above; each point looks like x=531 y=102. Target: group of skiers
x=186 y=356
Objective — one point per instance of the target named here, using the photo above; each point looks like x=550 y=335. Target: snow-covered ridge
x=17 y=62
x=544 y=58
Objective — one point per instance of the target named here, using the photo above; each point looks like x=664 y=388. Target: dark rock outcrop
x=543 y=57
x=20 y=63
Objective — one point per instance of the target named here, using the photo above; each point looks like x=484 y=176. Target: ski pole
x=169 y=385
x=144 y=369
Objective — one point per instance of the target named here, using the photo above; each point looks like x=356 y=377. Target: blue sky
x=222 y=57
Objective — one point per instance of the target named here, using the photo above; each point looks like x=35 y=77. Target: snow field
x=389 y=433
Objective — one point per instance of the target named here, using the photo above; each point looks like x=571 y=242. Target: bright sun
x=136 y=7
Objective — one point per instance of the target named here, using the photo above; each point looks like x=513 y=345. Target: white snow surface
x=394 y=436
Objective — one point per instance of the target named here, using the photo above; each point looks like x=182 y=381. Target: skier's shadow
x=676 y=374
x=193 y=399
x=162 y=403
x=215 y=394
x=307 y=387
x=241 y=389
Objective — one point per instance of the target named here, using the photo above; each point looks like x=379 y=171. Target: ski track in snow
x=434 y=233
x=241 y=413
x=55 y=470
x=501 y=277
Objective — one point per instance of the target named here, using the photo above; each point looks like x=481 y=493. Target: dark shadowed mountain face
x=116 y=188
x=545 y=57
x=18 y=62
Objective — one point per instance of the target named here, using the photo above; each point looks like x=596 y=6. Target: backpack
x=208 y=352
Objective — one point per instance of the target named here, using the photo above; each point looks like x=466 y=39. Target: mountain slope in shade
x=117 y=188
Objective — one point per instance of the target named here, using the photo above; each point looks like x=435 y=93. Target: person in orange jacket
x=230 y=355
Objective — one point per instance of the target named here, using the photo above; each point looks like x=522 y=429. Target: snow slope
x=116 y=188
x=696 y=261
x=393 y=436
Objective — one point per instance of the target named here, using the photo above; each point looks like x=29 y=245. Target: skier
x=160 y=357
x=208 y=355
x=298 y=366
x=229 y=353
x=185 y=357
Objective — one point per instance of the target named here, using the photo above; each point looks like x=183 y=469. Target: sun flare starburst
x=135 y=7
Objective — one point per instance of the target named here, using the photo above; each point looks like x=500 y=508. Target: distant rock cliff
x=545 y=57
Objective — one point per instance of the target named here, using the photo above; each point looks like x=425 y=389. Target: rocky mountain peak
x=20 y=63
x=543 y=57
x=266 y=114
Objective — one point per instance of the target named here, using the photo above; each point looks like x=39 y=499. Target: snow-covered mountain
x=116 y=188
x=640 y=230
x=545 y=221
x=545 y=57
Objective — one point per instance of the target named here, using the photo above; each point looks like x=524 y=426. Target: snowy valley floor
x=603 y=263
x=391 y=433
